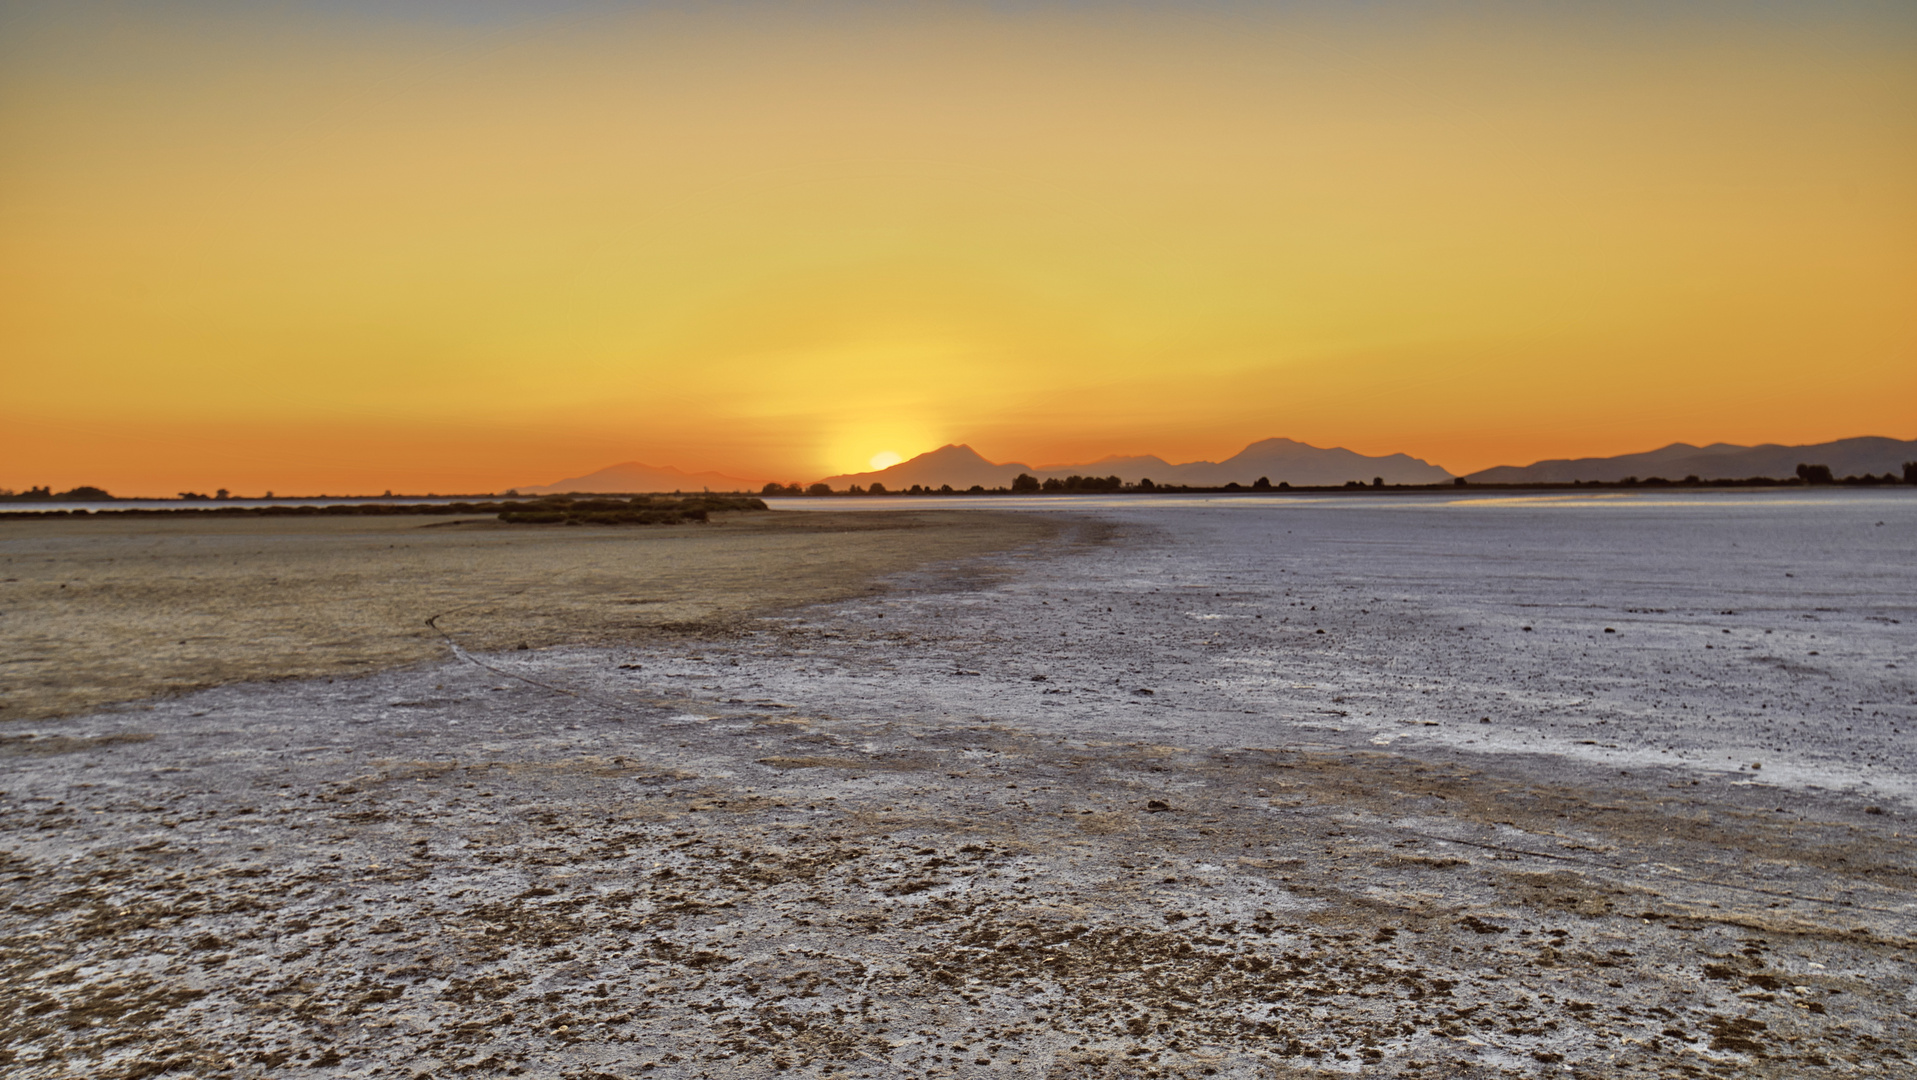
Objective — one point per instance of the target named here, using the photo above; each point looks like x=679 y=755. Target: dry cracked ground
x=590 y=863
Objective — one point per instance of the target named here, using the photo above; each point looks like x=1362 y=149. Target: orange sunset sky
x=428 y=245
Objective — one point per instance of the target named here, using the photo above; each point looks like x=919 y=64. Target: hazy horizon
x=668 y=477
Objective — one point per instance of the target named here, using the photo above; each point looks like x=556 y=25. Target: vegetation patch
x=638 y=510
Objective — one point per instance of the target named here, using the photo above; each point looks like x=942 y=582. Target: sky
x=423 y=245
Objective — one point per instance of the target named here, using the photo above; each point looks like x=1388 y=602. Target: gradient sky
x=461 y=246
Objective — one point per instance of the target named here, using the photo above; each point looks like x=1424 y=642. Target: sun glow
x=885 y=459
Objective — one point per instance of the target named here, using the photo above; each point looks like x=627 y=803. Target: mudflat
x=104 y=610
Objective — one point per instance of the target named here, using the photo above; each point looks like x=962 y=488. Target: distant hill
x=1719 y=461
x=957 y=465
x=1303 y=465
x=1279 y=460
x=635 y=476
x=1132 y=467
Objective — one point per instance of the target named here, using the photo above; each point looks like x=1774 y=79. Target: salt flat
x=1188 y=789
x=1714 y=630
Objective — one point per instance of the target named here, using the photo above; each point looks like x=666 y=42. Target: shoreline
x=436 y=504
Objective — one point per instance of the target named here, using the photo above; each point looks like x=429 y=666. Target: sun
x=885 y=459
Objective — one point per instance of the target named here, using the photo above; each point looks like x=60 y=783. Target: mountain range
x=1278 y=460
x=1871 y=455
x=1298 y=464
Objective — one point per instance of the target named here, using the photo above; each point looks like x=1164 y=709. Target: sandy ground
x=943 y=829
x=106 y=610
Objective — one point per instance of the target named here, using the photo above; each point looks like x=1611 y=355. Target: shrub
x=975 y=489
x=1815 y=474
x=819 y=489
x=1263 y=483
x=1025 y=484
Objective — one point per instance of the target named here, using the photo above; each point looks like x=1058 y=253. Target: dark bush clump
x=84 y=493
x=1081 y=483
x=640 y=510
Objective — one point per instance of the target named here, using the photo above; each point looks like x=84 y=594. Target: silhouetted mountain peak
x=1870 y=454
x=952 y=453
x=1278 y=459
